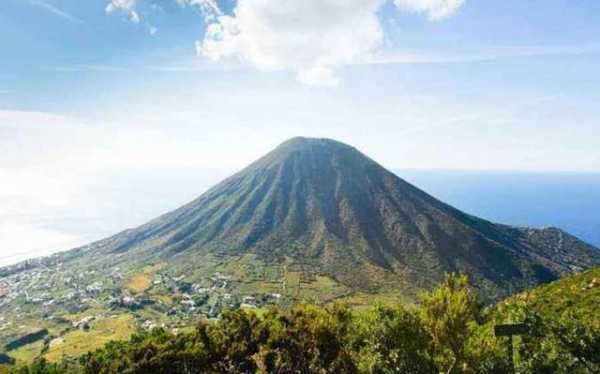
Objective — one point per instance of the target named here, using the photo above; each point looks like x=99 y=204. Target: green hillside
x=577 y=294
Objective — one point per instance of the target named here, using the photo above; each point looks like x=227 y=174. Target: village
x=47 y=304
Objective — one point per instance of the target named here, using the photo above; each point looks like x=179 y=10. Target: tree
x=450 y=313
x=559 y=344
x=391 y=340
x=307 y=339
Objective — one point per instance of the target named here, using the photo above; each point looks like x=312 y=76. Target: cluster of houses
x=49 y=292
x=211 y=297
x=43 y=287
x=59 y=291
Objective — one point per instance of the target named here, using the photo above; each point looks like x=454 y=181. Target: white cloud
x=120 y=5
x=309 y=37
x=486 y=54
x=435 y=9
x=318 y=76
x=53 y=9
x=124 y=6
x=210 y=8
x=129 y=7
x=134 y=17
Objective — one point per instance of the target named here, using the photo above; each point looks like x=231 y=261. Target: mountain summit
x=328 y=207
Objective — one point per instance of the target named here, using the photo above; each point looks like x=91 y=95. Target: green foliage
x=564 y=325
x=391 y=340
x=41 y=366
x=307 y=339
x=556 y=343
x=578 y=294
x=448 y=332
x=450 y=314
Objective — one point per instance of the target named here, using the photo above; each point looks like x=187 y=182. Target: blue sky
x=75 y=48
x=99 y=87
x=520 y=74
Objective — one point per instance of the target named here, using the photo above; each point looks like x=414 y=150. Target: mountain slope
x=325 y=205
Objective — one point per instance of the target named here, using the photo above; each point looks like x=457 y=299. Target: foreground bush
x=448 y=332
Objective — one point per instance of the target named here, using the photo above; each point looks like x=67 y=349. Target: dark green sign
x=511 y=329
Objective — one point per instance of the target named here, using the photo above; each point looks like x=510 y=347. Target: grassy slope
x=76 y=342
x=578 y=293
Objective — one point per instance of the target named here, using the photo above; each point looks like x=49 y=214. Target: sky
x=100 y=98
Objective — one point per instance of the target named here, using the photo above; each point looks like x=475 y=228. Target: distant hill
x=321 y=205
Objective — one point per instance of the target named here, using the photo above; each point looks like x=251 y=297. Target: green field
x=77 y=342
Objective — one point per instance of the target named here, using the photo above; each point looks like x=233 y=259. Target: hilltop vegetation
x=448 y=331
x=578 y=294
